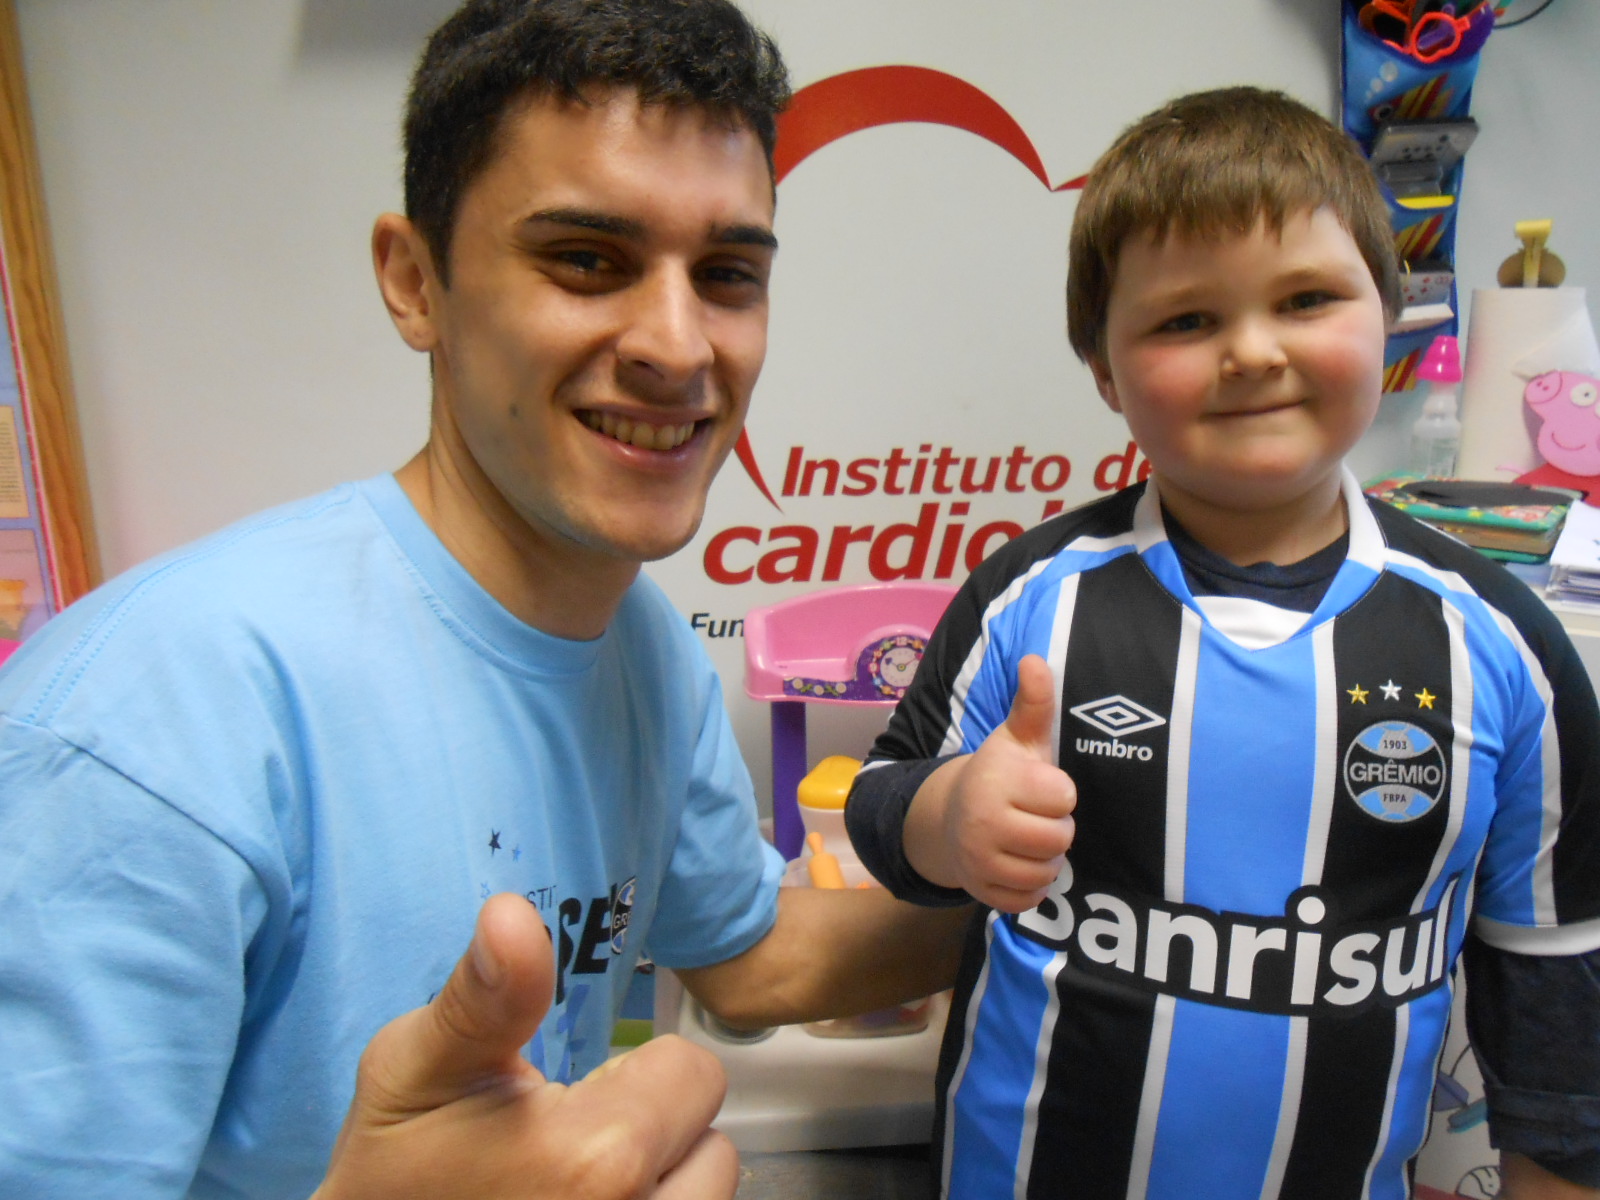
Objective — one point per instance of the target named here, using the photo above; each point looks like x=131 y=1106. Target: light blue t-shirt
x=252 y=796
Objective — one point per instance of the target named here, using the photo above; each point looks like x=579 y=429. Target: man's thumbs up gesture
x=446 y=1106
x=998 y=822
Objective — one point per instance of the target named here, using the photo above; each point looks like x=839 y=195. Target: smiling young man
x=258 y=796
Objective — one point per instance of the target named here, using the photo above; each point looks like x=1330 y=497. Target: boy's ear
x=1103 y=381
x=406 y=279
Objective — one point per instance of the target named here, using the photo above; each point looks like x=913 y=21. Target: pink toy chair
x=856 y=644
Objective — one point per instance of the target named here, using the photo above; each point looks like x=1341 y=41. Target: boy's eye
x=1311 y=299
x=1183 y=323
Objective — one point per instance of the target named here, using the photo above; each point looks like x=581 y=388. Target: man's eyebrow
x=626 y=227
x=584 y=218
x=745 y=235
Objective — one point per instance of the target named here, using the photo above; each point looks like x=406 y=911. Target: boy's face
x=605 y=319
x=1245 y=366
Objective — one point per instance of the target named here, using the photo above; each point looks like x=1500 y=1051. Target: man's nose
x=665 y=338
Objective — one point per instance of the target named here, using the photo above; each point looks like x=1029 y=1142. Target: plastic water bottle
x=1436 y=436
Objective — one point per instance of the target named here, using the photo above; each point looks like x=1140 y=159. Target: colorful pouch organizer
x=1382 y=83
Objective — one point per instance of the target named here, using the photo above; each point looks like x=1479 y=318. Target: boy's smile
x=1246 y=366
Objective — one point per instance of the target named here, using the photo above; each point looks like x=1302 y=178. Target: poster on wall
x=29 y=588
x=920 y=406
x=47 y=555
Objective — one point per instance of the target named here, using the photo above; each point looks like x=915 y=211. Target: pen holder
x=1382 y=83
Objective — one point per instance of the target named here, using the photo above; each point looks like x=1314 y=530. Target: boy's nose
x=664 y=341
x=1253 y=348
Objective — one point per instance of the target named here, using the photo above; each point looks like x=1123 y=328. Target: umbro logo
x=1117 y=715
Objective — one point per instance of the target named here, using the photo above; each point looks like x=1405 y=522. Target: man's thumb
x=1032 y=720
x=475 y=1028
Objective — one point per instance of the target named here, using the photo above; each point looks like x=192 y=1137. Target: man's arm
x=833 y=953
x=1523 y=1179
x=446 y=1106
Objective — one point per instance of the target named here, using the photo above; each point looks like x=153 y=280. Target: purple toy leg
x=788 y=769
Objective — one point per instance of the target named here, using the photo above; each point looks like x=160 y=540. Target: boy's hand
x=998 y=822
x=446 y=1106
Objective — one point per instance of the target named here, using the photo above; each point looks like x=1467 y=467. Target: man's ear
x=406 y=278
x=1103 y=381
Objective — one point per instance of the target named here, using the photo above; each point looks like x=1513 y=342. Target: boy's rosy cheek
x=1167 y=375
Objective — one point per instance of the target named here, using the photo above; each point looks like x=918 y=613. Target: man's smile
x=641 y=434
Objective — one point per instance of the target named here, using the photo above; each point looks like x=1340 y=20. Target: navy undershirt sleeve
x=875 y=818
x=1541 y=1067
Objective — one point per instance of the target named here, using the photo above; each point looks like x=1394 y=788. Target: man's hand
x=446 y=1106
x=998 y=822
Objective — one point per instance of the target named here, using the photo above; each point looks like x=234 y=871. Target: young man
x=1235 y=758
x=254 y=795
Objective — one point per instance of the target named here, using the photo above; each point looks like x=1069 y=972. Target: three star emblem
x=1391 y=691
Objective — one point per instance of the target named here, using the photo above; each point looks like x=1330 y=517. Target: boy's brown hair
x=1211 y=163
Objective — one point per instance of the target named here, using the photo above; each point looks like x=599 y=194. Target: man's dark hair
x=493 y=54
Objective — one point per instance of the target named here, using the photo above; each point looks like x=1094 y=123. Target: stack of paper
x=1575 y=561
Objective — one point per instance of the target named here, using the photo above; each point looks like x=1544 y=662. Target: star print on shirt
x=1425 y=698
x=1357 y=694
x=1390 y=690
x=516 y=854
x=494 y=840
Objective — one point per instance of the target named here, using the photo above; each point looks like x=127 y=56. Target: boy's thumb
x=1032 y=720
x=475 y=1028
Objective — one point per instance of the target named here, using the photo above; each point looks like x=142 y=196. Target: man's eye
x=731 y=283
x=582 y=260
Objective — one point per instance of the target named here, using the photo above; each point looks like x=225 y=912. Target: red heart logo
x=840 y=105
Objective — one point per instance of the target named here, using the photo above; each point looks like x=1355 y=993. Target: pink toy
x=1569 y=438
x=857 y=644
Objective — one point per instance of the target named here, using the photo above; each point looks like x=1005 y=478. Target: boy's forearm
x=831 y=953
x=1523 y=1179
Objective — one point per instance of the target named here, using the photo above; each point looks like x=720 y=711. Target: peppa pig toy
x=1569 y=438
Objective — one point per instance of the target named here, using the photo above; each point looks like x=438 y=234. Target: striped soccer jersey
x=1239 y=985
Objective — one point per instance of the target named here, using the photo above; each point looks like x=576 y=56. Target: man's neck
x=565 y=590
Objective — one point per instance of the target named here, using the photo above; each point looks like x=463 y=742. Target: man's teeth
x=639 y=433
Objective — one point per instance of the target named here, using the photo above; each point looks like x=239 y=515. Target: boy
x=1295 y=742
x=254 y=795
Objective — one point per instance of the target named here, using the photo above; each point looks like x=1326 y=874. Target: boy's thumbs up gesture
x=446 y=1106
x=998 y=822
